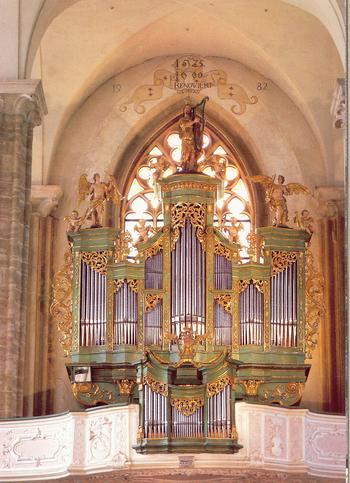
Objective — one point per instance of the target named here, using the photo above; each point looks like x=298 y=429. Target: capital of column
x=23 y=97
x=45 y=198
x=331 y=200
x=338 y=107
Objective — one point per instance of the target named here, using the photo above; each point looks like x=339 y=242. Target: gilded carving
x=251 y=386
x=123 y=245
x=258 y=284
x=156 y=386
x=275 y=195
x=96 y=260
x=61 y=306
x=221 y=250
x=187 y=342
x=315 y=307
x=234 y=433
x=133 y=285
x=282 y=260
x=151 y=301
x=89 y=393
x=284 y=394
x=125 y=386
x=226 y=301
x=215 y=387
x=196 y=213
x=154 y=249
x=181 y=185
x=187 y=406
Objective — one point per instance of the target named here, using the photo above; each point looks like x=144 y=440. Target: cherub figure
x=305 y=221
x=217 y=163
x=159 y=164
x=74 y=221
x=98 y=192
x=275 y=195
x=143 y=231
x=123 y=246
x=233 y=230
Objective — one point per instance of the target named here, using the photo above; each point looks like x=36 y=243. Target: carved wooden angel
x=98 y=192
x=275 y=195
x=143 y=230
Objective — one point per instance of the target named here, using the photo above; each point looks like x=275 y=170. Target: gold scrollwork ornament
x=156 y=386
x=314 y=303
x=125 y=386
x=251 y=387
x=90 y=394
x=187 y=406
x=282 y=260
x=225 y=301
x=61 y=307
x=195 y=213
x=215 y=387
x=96 y=260
x=151 y=301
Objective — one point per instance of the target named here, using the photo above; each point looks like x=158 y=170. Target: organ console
x=188 y=327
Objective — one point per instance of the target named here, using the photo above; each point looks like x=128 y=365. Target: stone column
x=22 y=106
x=332 y=340
x=38 y=374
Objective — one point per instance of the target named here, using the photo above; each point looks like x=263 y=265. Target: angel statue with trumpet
x=98 y=193
x=275 y=195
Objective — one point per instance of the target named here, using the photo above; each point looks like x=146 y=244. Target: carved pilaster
x=22 y=107
x=39 y=330
x=332 y=330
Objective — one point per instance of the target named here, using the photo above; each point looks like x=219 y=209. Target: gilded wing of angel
x=84 y=188
x=112 y=192
x=297 y=189
x=275 y=195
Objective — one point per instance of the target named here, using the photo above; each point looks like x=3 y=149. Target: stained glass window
x=218 y=160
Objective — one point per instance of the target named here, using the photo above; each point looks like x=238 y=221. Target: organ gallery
x=176 y=315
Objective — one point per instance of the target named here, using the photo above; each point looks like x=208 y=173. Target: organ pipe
x=125 y=316
x=223 y=325
x=153 y=323
x=188 y=283
x=251 y=314
x=93 y=316
x=283 y=303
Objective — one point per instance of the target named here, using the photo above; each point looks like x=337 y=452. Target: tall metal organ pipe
x=188 y=283
x=284 y=307
x=155 y=414
x=125 y=316
x=93 y=314
x=251 y=313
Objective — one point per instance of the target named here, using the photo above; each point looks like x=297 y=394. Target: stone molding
x=331 y=200
x=45 y=199
x=23 y=98
x=338 y=106
x=99 y=440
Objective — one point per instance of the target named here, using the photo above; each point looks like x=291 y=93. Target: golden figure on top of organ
x=275 y=195
x=191 y=126
x=98 y=193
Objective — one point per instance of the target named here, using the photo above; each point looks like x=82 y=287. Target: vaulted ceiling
x=77 y=45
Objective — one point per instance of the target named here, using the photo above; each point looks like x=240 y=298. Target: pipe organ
x=188 y=327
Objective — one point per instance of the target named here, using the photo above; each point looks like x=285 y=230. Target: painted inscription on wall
x=189 y=75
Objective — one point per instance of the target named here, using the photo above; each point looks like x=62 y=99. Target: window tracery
x=163 y=158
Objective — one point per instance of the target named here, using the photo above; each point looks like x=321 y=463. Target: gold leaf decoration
x=195 y=213
x=61 y=306
x=226 y=301
x=284 y=394
x=125 y=386
x=156 y=386
x=96 y=260
x=214 y=388
x=90 y=394
x=187 y=406
x=282 y=260
x=251 y=386
x=260 y=285
x=222 y=251
x=314 y=303
x=133 y=285
x=154 y=249
x=151 y=301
